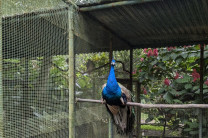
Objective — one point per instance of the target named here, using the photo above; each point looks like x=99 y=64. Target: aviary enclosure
x=54 y=54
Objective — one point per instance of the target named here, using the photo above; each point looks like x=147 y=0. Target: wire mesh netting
x=34 y=78
x=93 y=120
x=35 y=68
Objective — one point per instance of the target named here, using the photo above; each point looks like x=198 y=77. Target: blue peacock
x=116 y=97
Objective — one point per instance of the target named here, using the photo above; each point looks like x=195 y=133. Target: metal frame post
x=138 y=111
x=201 y=89
x=1 y=77
x=110 y=121
x=71 y=73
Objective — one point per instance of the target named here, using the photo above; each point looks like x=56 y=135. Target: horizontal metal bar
x=114 y=4
x=172 y=106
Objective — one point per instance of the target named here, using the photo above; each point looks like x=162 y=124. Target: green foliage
x=169 y=78
x=151 y=127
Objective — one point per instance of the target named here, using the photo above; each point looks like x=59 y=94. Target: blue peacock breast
x=112 y=97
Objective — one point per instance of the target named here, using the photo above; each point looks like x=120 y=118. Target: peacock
x=116 y=96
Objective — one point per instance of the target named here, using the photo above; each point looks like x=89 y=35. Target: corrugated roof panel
x=160 y=23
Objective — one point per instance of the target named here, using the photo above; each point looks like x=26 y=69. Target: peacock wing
x=126 y=92
x=113 y=109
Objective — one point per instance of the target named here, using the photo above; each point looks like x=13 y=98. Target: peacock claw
x=103 y=101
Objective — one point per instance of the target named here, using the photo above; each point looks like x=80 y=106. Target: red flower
x=186 y=46
x=171 y=48
x=195 y=75
x=140 y=70
x=144 y=91
x=145 y=50
x=134 y=72
x=150 y=53
x=167 y=82
x=176 y=76
x=155 y=52
x=142 y=59
x=206 y=82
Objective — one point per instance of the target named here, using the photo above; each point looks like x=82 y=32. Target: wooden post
x=110 y=122
x=71 y=74
x=201 y=89
x=1 y=77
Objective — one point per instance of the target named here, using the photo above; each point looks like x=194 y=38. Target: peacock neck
x=112 y=84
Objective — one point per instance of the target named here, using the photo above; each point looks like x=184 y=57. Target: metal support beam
x=1 y=77
x=131 y=69
x=110 y=30
x=110 y=121
x=71 y=74
x=114 y=4
x=138 y=111
x=201 y=89
x=201 y=72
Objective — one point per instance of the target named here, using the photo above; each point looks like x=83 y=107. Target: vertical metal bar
x=71 y=74
x=131 y=69
x=138 y=111
x=201 y=87
x=1 y=79
x=130 y=75
x=110 y=52
x=201 y=72
x=110 y=128
x=110 y=122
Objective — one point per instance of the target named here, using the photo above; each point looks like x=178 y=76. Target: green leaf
x=205 y=54
x=182 y=92
x=166 y=57
x=177 y=101
x=194 y=132
x=173 y=92
x=195 y=88
x=161 y=90
x=185 y=79
x=178 y=60
x=162 y=66
x=168 y=97
x=187 y=129
x=184 y=54
x=192 y=55
x=193 y=124
x=149 y=119
x=153 y=62
x=188 y=86
x=198 y=91
x=173 y=56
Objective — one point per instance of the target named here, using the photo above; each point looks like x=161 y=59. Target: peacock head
x=113 y=62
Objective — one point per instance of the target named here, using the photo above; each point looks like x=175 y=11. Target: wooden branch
x=123 y=65
x=124 y=69
x=173 y=106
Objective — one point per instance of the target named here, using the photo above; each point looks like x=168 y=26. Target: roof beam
x=110 y=30
x=158 y=45
x=114 y=4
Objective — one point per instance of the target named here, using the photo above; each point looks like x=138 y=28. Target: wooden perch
x=173 y=106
